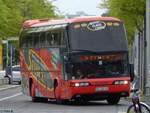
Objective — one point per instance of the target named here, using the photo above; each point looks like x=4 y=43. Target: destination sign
x=102 y=57
x=96 y=25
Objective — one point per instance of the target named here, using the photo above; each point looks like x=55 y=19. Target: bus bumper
x=99 y=92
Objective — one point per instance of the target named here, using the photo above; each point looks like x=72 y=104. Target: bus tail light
x=79 y=84
x=121 y=82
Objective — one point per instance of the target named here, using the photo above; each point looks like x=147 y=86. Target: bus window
x=62 y=38
x=24 y=41
x=55 y=39
x=42 y=39
x=59 y=38
x=52 y=39
x=29 y=42
x=36 y=40
x=48 y=39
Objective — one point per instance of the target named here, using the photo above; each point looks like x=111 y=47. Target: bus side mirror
x=131 y=66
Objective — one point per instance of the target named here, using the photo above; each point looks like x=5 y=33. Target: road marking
x=5 y=98
x=122 y=112
x=9 y=87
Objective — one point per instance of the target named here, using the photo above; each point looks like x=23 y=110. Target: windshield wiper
x=83 y=50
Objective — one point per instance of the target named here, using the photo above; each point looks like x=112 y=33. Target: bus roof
x=45 y=22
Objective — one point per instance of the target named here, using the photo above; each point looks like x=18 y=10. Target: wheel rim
x=144 y=109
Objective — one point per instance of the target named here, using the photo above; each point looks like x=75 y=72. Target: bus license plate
x=102 y=89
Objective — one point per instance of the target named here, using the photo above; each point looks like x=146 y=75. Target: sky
x=72 y=6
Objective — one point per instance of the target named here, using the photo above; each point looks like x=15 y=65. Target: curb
x=145 y=99
x=9 y=87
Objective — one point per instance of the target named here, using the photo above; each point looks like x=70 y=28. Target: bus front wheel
x=113 y=99
x=57 y=96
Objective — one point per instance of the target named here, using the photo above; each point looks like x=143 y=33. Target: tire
x=80 y=101
x=61 y=101
x=19 y=83
x=144 y=109
x=58 y=100
x=113 y=100
x=8 y=78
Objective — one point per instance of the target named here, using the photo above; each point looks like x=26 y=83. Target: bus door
x=43 y=63
x=57 y=65
x=46 y=74
x=37 y=65
x=43 y=73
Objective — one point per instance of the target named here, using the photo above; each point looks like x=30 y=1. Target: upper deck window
x=53 y=38
x=98 y=36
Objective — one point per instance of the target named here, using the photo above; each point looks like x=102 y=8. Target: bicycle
x=137 y=106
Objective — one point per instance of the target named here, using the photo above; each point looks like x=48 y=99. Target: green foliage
x=31 y=9
x=4 y=11
x=14 y=12
x=132 y=12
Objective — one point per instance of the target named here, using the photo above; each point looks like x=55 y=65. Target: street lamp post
x=1 y=53
x=6 y=42
x=9 y=46
x=147 y=85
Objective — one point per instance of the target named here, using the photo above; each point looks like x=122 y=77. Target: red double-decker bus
x=84 y=58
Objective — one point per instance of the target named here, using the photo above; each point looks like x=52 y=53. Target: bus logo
x=96 y=25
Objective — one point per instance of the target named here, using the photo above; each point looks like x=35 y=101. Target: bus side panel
x=24 y=73
x=38 y=72
x=51 y=58
x=47 y=62
x=43 y=65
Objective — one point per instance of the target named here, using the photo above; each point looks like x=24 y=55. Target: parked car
x=16 y=75
x=2 y=74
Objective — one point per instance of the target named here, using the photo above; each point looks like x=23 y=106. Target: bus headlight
x=119 y=82
x=80 y=84
x=76 y=84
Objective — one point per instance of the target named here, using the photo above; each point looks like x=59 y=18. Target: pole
x=7 y=53
x=147 y=85
x=1 y=55
x=11 y=54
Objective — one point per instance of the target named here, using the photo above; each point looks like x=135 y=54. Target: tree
x=14 y=12
x=132 y=12
x=31 y=9
x=4 y=18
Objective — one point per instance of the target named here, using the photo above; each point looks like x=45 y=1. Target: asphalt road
x=13 y=99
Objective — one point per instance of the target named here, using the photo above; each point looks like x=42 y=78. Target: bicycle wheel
x=144 y=109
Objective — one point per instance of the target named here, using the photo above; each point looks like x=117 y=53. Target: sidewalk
x=4 y=87
x=146 y=99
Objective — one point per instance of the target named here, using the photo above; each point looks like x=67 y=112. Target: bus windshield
x=98 y=36
x=101 y=66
